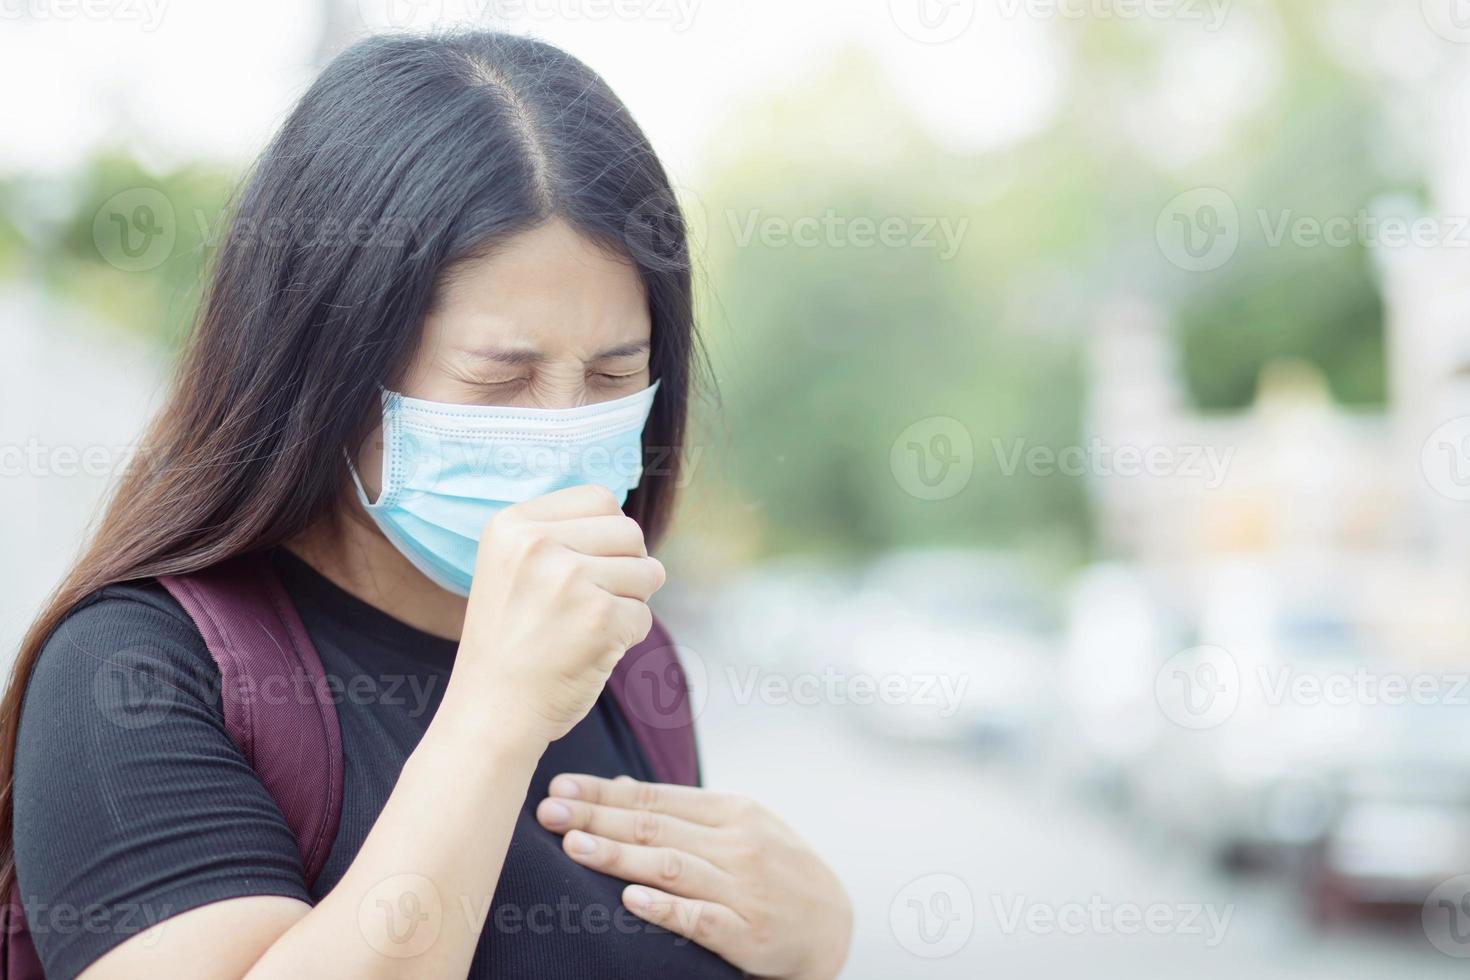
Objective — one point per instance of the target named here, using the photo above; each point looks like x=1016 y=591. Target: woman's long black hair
x=407 y=156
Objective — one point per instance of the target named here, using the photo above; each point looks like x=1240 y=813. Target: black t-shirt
x=132 y=804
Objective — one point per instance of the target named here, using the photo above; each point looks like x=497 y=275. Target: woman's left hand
x=718 y=869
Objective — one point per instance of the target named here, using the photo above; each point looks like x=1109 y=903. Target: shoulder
x=130 y=797
x=122 y=655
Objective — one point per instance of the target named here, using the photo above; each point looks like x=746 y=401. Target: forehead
x=549 y=289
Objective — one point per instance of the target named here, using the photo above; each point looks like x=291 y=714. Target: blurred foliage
x=824 y=354
x=49 y=221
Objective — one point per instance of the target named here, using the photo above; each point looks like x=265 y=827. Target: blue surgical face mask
x=447 y=469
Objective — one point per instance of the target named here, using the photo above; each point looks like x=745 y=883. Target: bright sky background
x=181 y=79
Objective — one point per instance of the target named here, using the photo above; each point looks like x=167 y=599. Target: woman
x=452 y=242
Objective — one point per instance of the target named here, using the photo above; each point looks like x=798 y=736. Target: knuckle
x=647 y=796
x=671 y=865
x=704 y=929
x=501 y=521
x=761 y=930
x=640 y=623
x=565 y=572
x=602 y=613
x=744 y=852
x=744 y=808
x=601 y=497
x=657 y=574
x=631 y=530
x=647 y=828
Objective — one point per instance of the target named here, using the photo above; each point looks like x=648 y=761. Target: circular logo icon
x=933 y=916
x=1198 y=688
x=399 y=15
x=1445 y=459
x=401 y=916
x=932 y=21
x=135 y=230
x=658 y=692
x=132 y=689
x=933 y=459
x=660 y=230
x=1446 y=917
x=1199 y=230
x=1450 y=19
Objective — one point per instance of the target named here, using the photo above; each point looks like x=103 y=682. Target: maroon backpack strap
x=650 y=687
x=277 y=705
x=18 y=957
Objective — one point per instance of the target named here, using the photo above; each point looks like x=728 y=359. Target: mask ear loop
x=352 y=466
x=356 y=480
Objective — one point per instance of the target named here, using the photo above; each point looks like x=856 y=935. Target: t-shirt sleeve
x=132 y=803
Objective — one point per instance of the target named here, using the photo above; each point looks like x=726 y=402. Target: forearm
x=418 y=893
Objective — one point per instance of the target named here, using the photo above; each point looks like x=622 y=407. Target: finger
x=588 y=500
x=631 y=578
x=607 y=535
x=642 y=827
x=716 y=927
x=666 y=868
x=687 y=802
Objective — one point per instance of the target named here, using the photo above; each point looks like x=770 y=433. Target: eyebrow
x=517 y=356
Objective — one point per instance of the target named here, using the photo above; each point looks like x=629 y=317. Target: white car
x=958 y=643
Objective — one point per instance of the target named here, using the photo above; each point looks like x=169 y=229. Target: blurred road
x=996 y=838
x=74 y=395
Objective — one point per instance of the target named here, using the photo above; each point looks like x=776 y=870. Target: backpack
x=254 y=634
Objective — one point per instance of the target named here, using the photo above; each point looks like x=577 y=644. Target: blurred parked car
x=965 y=640
x=1121 y=625
x=778 y=615
x=1401 y=823
x=1253 y=787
